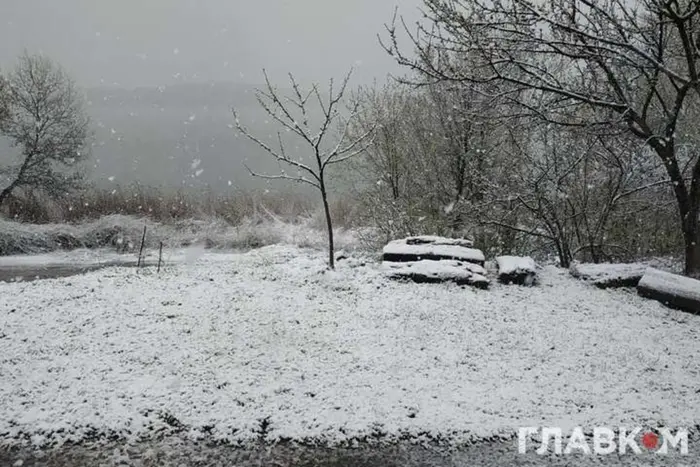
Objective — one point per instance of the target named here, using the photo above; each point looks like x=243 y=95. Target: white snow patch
x=516 y=265
x=672 y=284
x=604 y=274
x=445 y=266
x=237 y=338
x=117 y=230
x=400 y=247
x=443 y=270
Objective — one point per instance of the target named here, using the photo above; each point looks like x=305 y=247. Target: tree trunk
x=563 y=253
x=329 y=226
x=688 y=206
x=691 y=236
x=4 y=194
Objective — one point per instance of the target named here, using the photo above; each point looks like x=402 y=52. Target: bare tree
x=4 y=104
x=385 y=160
x=565 y=188
x=295 y=115
x=634 y=64
x=395 y=178
x=467 y=128
x=45 y=120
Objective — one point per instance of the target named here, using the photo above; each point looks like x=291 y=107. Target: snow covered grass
x=124 y=233
x=270 y=345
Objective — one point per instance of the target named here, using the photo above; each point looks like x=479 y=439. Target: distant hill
x=179 y=95
x=179 y=136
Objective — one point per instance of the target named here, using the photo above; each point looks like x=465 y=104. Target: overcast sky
x=159 y=42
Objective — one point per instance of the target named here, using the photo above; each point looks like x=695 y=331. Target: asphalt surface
x=177 y=451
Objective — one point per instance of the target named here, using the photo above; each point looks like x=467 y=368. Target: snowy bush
x=123 y=233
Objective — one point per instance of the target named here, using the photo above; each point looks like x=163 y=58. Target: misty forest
x=328 y=261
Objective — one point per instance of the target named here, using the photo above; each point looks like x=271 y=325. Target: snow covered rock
x=609 y=275
x=432 y=248
x=435 y=240
x=520 y=270
x=671 y=289
x=429 y=271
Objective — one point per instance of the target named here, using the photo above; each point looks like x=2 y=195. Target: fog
x=149 y=68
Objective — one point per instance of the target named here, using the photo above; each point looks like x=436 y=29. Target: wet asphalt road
x=180 y=452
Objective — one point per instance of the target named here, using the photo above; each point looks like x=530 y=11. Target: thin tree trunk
x=18 y=179
x=4 y=194
x=329 y=226
x=562 y=252
x=691 y=236
x=692 y=230
x=688 y=207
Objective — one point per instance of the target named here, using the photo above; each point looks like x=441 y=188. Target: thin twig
x=143 y=240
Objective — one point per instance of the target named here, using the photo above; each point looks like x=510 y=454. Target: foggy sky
x=183 y=138
x=159 y=42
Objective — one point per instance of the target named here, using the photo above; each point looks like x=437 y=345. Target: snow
x=445 y=270
x=125 y=232
x=516 y=270
x=606 y=275
x=592 y=271
x=421 y=239
x=441 y=268
x=510 y=265
x=457 y=252
x=672 y=284
x=230 y=340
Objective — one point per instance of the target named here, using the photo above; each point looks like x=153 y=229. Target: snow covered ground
x=268 y=344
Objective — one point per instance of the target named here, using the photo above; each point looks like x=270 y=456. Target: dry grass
x=161 y=205
x=98 y=218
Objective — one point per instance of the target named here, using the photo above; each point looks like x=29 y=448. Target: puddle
x=26 y=273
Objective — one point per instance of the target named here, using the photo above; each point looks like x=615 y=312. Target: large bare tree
x=634 y=64
x=45 y=120
x=296 y=114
